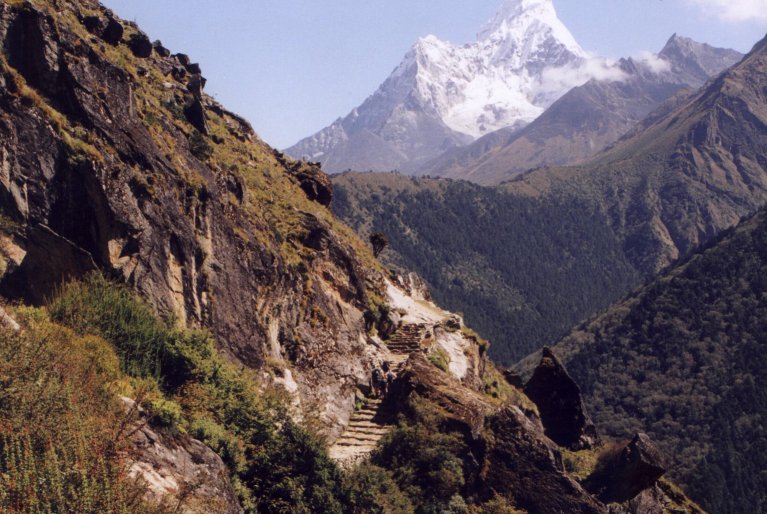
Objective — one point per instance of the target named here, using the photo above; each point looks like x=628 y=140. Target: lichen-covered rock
x=559 y=402
x=178 y=471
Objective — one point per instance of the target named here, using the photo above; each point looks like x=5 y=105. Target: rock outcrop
x=140 y=45
x=517 y=461
x=559 y=402
x=312 y=180
x=624 y=475
x=113 y=32
x=177 y=470
x=112 y=178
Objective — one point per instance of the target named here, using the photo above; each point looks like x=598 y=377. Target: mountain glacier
x=444 y=95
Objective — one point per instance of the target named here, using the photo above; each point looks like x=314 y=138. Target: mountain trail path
x=376 y=417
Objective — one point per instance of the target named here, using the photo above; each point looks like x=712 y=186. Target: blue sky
x=292 y=66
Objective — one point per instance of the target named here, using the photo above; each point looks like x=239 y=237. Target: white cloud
x=652 y=61
x=556 y=80
x=734 y=10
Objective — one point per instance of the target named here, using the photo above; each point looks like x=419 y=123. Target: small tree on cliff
x=379 y=242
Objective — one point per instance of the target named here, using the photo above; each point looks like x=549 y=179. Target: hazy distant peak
x=512 y=9
x=698 y=59
x=521 y=20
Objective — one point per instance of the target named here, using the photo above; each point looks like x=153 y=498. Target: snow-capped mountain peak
x=443 y=93
x=528 y=21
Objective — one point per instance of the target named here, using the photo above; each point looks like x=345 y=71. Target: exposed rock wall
x=96 y=173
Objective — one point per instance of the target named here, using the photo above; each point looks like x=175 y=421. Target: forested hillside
x=685 y=359
x=522 y=270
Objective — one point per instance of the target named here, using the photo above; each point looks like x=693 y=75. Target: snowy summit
x=444 y=95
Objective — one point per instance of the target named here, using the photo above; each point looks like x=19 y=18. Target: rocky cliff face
x=106 y=165
x=506 y=452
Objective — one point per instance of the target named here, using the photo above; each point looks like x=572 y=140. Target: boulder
x=93 y=24
x=160 y=49
x=140 y=45
x=179 y=73
x=113 y=32
x=177 y=469
x=194 y=68
x=559 y=402
x=183 y=59
x=623 y=476
x=194 y=112
x=196 y=84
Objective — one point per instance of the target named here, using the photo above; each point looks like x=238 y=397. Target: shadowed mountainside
x=683 y=359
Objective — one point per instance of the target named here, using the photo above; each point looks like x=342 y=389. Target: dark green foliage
x=372 y=490
x=522 y=270
x=685 y=359
x=290 y=473
x=97 y=306
x=278 y=466
x=431 y=463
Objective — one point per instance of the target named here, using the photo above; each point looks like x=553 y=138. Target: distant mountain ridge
x=684 y=175
x=444 y=95
x=587 y=118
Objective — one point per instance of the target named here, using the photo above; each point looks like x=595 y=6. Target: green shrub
x=372 y=490
x=440 y=358
x=58 y=451
x=111 y=311
x=430 y=462
x=276 y=465
x=165 y=413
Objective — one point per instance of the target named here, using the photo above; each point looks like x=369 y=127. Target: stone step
x=355 y=439
x=362 y=424
x=367 y=431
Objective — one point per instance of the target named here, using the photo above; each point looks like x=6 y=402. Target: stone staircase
x=366 y=427
x=371 y=422
x=407 y=339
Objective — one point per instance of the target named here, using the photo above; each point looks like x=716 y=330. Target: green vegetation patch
x=58 y=416
x=187 y=386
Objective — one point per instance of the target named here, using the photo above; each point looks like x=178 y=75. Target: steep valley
x=186 y=327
